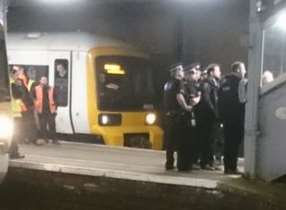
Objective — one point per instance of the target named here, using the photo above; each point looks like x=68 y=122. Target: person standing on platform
x=173 y=99
x=28 y=117
x=17 y=108
x=171 y=110
x=207 y=116
x=232 y=99
x=193 y=96
x=45 y=106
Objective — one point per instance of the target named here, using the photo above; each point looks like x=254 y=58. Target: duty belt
x=171 y=113
x=174 y=113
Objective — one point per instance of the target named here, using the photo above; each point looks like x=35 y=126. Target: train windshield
x=4 y=79
x=124 y=83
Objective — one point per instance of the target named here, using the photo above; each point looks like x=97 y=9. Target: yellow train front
x=105 y=88
x=121 y=109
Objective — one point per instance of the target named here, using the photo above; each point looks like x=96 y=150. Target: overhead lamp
x=34 y=35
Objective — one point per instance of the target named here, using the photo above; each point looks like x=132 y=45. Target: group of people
x=34 y=109
x=196 y=104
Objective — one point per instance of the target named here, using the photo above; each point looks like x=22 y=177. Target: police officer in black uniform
x=207 y=116
x=174 y=109
x=232 y=109
x=193 y=92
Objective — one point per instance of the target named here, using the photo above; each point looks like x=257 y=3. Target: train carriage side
x=93 y=92
x=6 y=121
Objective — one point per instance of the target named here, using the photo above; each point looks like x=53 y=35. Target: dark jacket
x=21 y=92
x=192 y=90
x=209 y=102
x=171 y=89
x=230 y=107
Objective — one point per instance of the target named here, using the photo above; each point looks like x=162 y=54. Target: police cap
x=193 y=68
x=211 y=67
x=196 y=66
x=176 y=67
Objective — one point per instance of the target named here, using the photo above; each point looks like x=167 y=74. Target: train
x=6 y=121
x=105 y=87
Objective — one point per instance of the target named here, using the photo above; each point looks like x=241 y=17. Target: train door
x=60 y=78
x=79 y=110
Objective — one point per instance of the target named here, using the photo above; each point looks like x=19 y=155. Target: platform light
x=281 y=21
x=151 y=118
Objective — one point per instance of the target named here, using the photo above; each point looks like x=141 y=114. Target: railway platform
x=113 y=162
x=98 y=175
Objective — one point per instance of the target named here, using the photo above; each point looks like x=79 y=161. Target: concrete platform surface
x=113 y=162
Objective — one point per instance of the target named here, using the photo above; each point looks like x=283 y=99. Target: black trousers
x=205 y=133
x=195 y=144
x=233 y=135
x=184 y=162
x=47 y=125
x=29 y=128
x=171 y=132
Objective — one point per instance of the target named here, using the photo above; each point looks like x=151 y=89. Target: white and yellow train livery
x=104 y=87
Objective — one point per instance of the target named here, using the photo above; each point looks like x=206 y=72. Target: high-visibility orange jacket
x=38 y=102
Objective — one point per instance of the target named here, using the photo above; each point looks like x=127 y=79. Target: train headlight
x=6 y=128
x=109 y=119
x=150 y=119
x=104 y=119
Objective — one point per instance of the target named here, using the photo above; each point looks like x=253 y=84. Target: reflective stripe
x=30 y=83
x=17 y=105
x=16 y=108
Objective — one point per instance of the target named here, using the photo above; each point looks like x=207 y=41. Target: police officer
x=207 y=116
x=232 y=99
x=173 y=123
x=193 y=92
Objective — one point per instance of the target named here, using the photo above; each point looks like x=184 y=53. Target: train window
x=61 y=81
x=124 y=83
x=34 y=72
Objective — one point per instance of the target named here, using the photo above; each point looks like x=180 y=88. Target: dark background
x=203 y=31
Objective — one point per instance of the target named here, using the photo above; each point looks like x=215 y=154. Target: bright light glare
x=281 y=21
x=151 y=118
x=104 y=119
x=6 y=128
x=57 y=1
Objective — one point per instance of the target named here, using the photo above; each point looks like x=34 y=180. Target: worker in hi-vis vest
x=46 y=108
x=18 y=107
x=29 y=128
